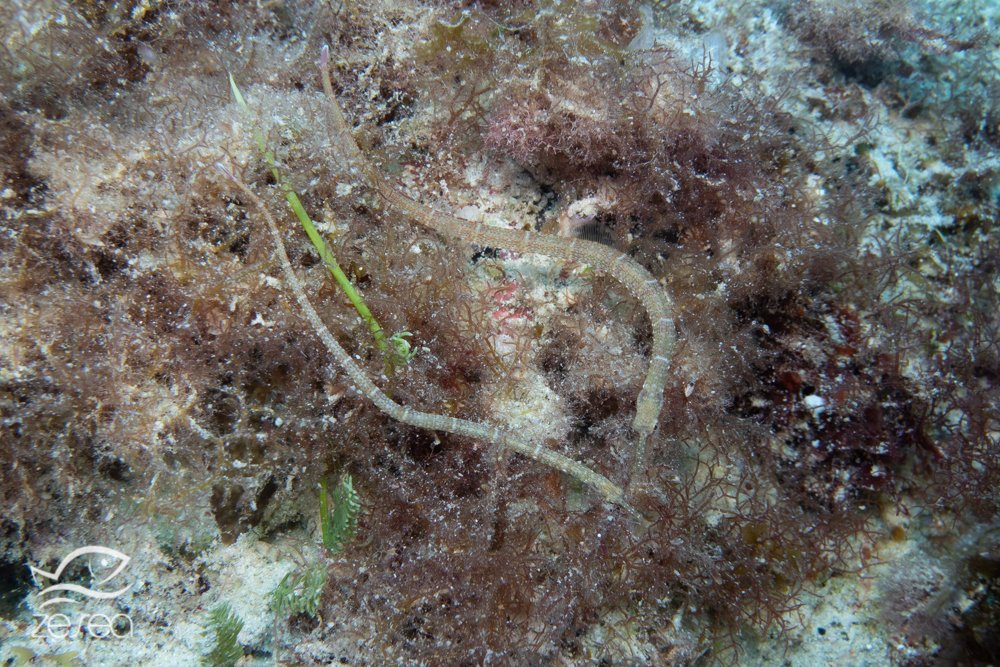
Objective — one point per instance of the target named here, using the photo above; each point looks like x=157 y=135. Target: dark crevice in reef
x=15 y=585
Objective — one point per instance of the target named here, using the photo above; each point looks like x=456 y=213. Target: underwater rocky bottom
x=586 y=333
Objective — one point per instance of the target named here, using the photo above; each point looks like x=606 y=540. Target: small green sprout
x=224 y=625
x=299 y=591
x=339 y=527
x=402 y=352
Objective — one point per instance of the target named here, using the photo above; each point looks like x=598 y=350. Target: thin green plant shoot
x=340 y=526
x=395 y=349
x=300 y=591
x=223 y=628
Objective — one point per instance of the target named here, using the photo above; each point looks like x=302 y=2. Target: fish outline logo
x=76 y=588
